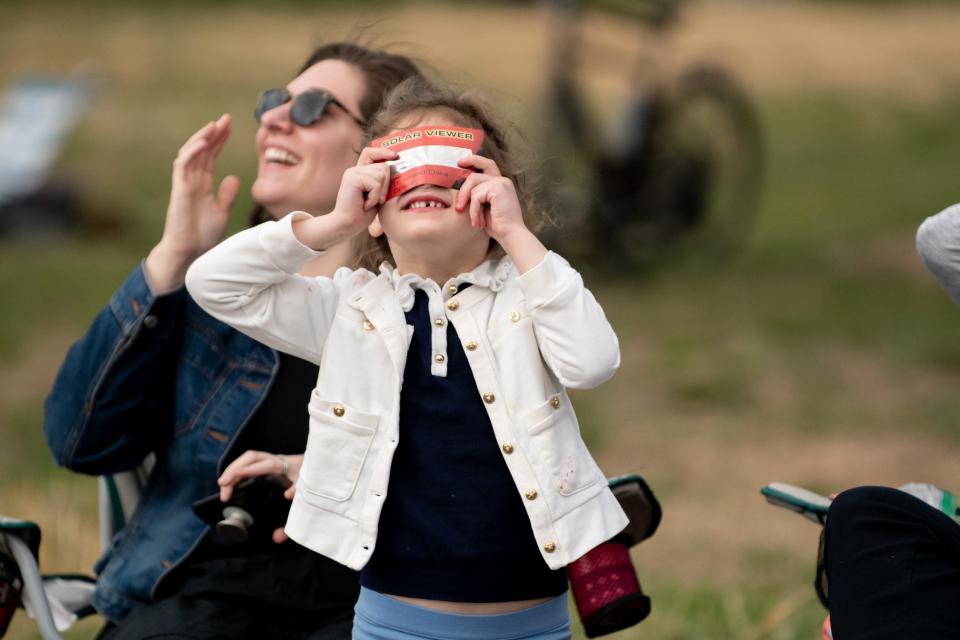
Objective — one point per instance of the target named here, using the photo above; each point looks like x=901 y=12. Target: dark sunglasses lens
x=270 y=99
x=308 y=107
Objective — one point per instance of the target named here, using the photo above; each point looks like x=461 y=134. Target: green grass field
x=823 y=356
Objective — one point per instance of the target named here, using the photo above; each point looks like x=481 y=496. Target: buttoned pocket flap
x=553 y=430
x=340 y=439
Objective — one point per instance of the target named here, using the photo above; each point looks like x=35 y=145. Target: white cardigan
x=526 y=338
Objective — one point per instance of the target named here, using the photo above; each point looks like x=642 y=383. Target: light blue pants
x=380 y=617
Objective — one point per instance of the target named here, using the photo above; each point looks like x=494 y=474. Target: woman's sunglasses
x=307 y=108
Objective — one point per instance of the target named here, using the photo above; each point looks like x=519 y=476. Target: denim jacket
x=154 y=374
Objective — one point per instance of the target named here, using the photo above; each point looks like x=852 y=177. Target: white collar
x=492 y=274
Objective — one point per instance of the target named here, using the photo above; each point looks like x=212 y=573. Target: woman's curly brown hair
x=417 y=97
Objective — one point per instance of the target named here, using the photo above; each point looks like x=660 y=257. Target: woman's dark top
x=285 y=575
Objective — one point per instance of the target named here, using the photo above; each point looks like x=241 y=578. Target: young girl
x=444 y=458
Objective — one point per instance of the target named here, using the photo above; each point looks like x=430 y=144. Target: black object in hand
x=255 y=509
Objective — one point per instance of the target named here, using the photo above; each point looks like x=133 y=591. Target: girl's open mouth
x=423 y=201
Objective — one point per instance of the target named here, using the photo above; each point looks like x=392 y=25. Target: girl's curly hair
x=415 y=98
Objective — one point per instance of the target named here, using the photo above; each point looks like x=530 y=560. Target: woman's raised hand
x=196 y=216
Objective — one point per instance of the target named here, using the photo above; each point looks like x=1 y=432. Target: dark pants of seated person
x=256 y=590
x=891 y=567
x=187 y=618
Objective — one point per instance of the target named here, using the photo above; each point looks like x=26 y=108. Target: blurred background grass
x=824 y=356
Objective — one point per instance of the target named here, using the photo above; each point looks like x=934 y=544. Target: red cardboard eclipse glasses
x=429 y=155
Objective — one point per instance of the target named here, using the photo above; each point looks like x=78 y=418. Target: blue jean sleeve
x=112 y=399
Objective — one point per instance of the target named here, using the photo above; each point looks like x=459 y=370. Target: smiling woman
x=299 y=166
x=157 y=375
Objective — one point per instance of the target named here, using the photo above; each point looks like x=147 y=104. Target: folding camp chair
x=56 y=601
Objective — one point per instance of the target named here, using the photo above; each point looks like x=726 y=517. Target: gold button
x=471 y=345
x=452 y=289
x=368 y=325
x=453 y=305
x=338 y=410
x=489 y=397
x=549 y=547
x=439 y=358
x=555 y=402
x=531 y=494
x=507 y=447
x=439 y=322
x=514 y=316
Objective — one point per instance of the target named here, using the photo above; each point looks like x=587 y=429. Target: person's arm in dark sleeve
x=112 y=400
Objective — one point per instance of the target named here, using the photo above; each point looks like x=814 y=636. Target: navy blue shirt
x=453 y=526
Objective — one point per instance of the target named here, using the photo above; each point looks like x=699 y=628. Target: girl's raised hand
x=492 y=199
x=363 y=189
x=494 y=206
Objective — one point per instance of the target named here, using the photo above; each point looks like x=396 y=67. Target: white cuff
x=542 y=283
x=281 y=245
